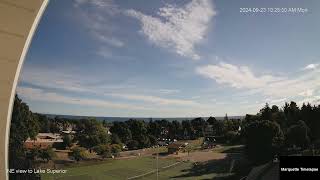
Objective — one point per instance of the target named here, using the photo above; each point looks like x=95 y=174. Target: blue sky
x=171 y=58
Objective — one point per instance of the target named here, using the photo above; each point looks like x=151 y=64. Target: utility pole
x=157 y=162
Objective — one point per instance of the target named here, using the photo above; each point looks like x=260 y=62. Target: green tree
x=122 y=130
x=91 y=133
x=115 y=139
x=47 y=154
x=198 y=125
x=139 y=132
x=116 y=149
x=266 y=113
x=263 y=140
x=133 y=144
x=104 y=150
x=67 y=141
x=24 y=124
x=212 y=121
x=79 y=153
x=44 y=123
x=298 y=135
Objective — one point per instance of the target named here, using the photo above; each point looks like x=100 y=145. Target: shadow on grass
x=238 y=149
x=220 y=169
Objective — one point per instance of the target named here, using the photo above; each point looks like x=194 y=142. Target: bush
x=67 y=141
x=232 y=137
x=104 y=150
x=133 y=144
x=79 y=153
x=115 y=149
x=47 y=154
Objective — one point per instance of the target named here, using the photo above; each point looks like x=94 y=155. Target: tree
x=67 y=141
x=153 y=140
x=104 y=150
x=91 y=133
x=188 y=131
x=212 y=121
x=115 y=149
x=139 y=132
x=263 y=140
x=24 y=124
x=198 y=125
x=133 y=144
x=174 y=130
x=115 y=139
x=122 y=130
x=79 y=153
x=47 y=154
x=32 y=154
x=226 y=118
x=154 y=128
x=266 y=112
x=298 y=135
x=292 y=113
x=231 y=137
x=44 y=123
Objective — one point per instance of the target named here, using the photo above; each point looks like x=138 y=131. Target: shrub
x=79 y=153
x=47 y=154
x=115 y=149
x=133 y=144
x=104 y=150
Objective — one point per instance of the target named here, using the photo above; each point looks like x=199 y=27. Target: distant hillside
x=110 y=119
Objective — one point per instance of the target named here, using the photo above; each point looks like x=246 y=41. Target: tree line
x=275 y=131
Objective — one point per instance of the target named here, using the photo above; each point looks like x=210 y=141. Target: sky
x=172 y=58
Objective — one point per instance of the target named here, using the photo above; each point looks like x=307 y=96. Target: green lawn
x=122 y=169
x=110 y=169
x=125 y=168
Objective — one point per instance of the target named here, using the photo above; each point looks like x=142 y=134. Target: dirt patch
x=199 y=156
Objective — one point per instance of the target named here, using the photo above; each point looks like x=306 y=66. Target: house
x=175 y=147
x=43 y=140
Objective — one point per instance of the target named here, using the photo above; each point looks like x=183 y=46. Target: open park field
x=206 y=164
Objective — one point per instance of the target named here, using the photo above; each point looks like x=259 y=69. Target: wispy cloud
x=155 y=99
x=236 y=76
x=51 y=79
x=97 y=15
x=311 y=66
x=36 y=94
x=242 y=77
x=169 y=91
x=177 y=28
x=308 y=92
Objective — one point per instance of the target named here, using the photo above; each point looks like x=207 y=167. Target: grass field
x=124 y=168
x=111 y=169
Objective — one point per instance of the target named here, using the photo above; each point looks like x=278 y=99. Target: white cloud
x=236 y=76
x=242 y=77
x=36 y=94
x=277 y=101
x=308 y=93
x=311 y=66
x=154 y=99
x=177 y=28
x=96 y=15
x=110 y=40
x=53 y=79
x=311 y=100
x=169 y=91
